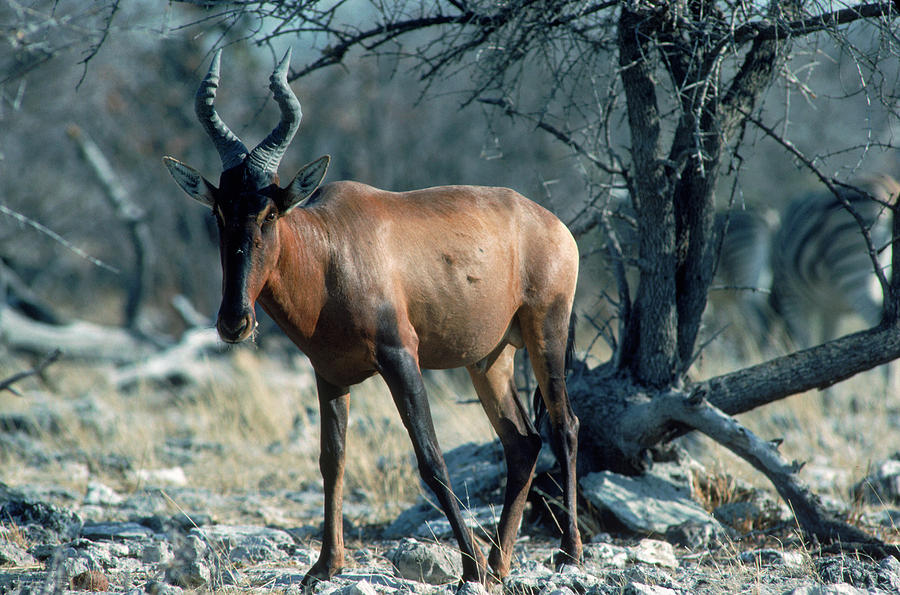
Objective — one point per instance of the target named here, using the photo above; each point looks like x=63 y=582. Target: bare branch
x=56 y=238
x=816 y=23
x=832 y=186
x=812 y=517
x=7 y=384
x=560 y=135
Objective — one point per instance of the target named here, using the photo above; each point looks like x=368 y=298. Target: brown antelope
x=366 y=281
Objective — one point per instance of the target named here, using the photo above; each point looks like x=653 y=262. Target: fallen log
x=76 y=339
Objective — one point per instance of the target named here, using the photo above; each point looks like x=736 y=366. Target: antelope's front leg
x=400 y=370
x=334 y=408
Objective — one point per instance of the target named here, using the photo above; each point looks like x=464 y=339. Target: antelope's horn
x=230 y=148
x=268 y=153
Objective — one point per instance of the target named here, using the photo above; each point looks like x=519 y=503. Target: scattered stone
x=889 y=574
x=99 y=494
x=91 y=580
x=606 y=554
x=529 y=577
x=573 y=578
x=642 y=574
x=227 y=537
x=471 y=588
x=854 y=571
x=157 y=553
x=161 y=588
x=794 y=561
x=644 y=504
x=653 y=551
x=881 y=485
x=115 y=531
x=12 y=554
x=193 y=566
x=697 y=536
x=430 y=563
x=254 y=550
x=424 y=521
x=360 y=588
x=836 y=589
x=760 y=509
x=642 y=589
x=477 y=474
x=41 y=521
x=534 y=578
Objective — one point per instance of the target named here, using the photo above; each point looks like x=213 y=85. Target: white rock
x=653 y=551
x=645 y=504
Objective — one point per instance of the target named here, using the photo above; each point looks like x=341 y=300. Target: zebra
x=821 y=268
x=743 y=271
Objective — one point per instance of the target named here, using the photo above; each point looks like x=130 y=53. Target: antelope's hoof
x=319 y=572
x=561 y=558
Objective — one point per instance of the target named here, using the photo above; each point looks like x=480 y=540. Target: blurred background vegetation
x=133 y=95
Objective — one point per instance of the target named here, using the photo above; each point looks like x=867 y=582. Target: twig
x=560 y=135
x=37 y=370
x=56 y=238
x=832 y=186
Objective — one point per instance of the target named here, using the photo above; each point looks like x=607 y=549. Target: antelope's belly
x=462 y=339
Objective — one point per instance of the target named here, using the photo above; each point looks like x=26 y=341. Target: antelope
x=366 y=281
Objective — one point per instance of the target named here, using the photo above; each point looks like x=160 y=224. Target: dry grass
x=255 y=427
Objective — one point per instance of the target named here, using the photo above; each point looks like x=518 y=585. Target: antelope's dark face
x=248 y=203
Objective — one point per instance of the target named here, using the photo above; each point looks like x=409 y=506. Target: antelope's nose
x=236 y=328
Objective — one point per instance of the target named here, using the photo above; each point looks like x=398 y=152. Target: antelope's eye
x=272 y=216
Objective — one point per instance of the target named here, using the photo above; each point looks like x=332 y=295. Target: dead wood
x=183 y=361
x=77 y=339
x=622 y=420
x=812 y=518
x=132 y=216
x=17 y=294
x=38 y=370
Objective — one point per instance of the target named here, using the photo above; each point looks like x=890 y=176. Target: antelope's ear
x=190 y=180
x=305 y=183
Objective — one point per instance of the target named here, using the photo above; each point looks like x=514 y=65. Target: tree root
x=692 y=409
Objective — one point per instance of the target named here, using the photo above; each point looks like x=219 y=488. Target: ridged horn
x=268 y=153
x=230 y=148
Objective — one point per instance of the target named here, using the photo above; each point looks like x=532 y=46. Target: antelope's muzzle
x=236 y=327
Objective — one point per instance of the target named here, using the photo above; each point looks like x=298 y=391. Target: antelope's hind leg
x=521 y=445
x=546 y=335
x=334 y=408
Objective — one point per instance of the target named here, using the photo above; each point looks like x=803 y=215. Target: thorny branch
x=833 y=186
x=7 y=384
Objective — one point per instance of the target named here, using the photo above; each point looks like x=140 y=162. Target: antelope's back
x=462 y=260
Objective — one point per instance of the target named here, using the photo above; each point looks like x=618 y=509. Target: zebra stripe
x=821 y=269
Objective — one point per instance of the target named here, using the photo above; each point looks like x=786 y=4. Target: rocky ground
x=56 y=540
x=180 y=487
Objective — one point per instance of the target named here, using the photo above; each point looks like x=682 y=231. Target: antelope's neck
x=294 y=292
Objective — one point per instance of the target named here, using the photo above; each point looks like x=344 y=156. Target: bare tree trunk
x=649 y=347
x=621 y=419
x=130 y=214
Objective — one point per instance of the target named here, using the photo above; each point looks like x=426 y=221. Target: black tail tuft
x=570 y=342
